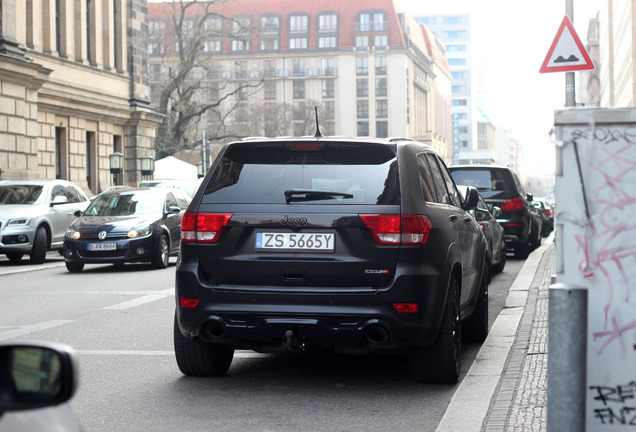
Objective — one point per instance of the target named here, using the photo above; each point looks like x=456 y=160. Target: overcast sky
x=512 y=38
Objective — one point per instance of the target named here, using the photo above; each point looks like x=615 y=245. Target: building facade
x=453 y=32
x=73 y=90
x=366 y=65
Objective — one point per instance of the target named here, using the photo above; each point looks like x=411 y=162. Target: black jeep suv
x=500 y=186
x=356 y=245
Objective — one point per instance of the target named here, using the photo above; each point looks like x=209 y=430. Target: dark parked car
x=500 y=186
x=37 y=379
x=357 y=245
x=35 y=214
x=493 y=231
x=127 y=225
x=547 y=215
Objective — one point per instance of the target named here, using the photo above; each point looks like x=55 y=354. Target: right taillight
x=394 y=229
x=513 y=204
x=203 y=227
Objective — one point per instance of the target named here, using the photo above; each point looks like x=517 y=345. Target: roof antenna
x=318 y=134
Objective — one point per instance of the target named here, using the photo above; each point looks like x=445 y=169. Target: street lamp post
x=147 y=167
x=116 y=161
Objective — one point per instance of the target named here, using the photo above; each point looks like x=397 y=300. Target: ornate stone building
x=74 y=89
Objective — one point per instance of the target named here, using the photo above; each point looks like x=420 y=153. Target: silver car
x=35 y=214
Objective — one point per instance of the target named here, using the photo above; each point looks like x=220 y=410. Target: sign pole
x=570 y=85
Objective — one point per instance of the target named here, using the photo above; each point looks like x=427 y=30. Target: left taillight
x=392 y=229
x=203 y=227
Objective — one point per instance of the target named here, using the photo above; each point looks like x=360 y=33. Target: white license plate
x=102 y=246
x=295 y=241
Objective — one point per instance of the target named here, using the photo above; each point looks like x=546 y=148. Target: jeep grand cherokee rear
x=356 y=245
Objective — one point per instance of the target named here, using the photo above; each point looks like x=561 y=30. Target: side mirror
x=36 y=375
x=496 y=212
x=60 y=199
x=174 y=210
x=529 y=197
x=472 y=198
x=78 y=213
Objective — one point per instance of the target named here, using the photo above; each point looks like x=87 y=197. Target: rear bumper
x=267 y=318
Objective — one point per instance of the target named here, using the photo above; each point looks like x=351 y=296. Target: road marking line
x=141 y=300
x=20 y=331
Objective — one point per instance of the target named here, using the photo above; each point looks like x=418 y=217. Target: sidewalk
x=506 y=387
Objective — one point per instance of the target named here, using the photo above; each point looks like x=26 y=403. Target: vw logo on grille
x=101 y=235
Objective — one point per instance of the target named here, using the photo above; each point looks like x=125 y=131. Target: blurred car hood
x=88 y=224
x=8 y=211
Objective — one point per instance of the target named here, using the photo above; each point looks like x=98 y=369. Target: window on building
x=327 y=67
x=241 y=91
x=381 y=87
x=364 y=22
x=212 y=45
x=457 y=61
x=459 y=102
x=455 y=34
x=363 y=128
x=456 y=48
x=298 y=67
x=327 y=22
x=240 y=45
x=381 y=41
x=298 y=43
x=327 y=89
x=362 y=87
x=453 y=20
x=269 y=68
x=459 y=75
x=459 y=89
x=329 y=109
x=270 y=24
x=362 y=41
x=382 y=129
x=269 y=89
x=380 y=65
x=362 y=108
x=379 y=23
x=270 y=44
x=240 y=69
x=381 y=108
x=460 y=116
x=362 y=66
x=298 y=24
x=299 y=89
x=327 y=42
x=213 y=24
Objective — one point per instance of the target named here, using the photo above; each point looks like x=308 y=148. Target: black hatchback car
x=500 y=186
x=356 y=245
x=127 y=225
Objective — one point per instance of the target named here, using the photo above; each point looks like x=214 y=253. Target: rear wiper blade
x=295 y=195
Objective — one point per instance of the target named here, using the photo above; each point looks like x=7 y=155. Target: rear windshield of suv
x=488 y=182
x=306 y=172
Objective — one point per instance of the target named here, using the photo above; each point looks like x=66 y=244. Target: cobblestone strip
x=521 y=401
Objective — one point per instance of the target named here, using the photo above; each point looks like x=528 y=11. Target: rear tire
x=440 y=363
x=522 y=251
x=15 y=256
x=163 y=257
x=74 y=267
x=476 y=327
x=196 y=358
x=38 y=253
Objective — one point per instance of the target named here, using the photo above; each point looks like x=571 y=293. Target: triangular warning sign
x=567 y=53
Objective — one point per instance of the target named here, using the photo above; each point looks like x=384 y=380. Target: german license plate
x=102 y=246
x=295 y=241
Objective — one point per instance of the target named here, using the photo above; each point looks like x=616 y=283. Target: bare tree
x=186 y=84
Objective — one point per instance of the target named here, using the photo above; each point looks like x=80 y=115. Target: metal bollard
x=567 y=358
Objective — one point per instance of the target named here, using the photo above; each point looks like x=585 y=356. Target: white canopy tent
x=171 y=168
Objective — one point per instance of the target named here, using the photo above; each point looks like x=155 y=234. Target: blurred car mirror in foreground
x=34 y=377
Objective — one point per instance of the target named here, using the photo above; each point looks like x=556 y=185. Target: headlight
x=19 y=222
x=72 y=234
x=139 y=232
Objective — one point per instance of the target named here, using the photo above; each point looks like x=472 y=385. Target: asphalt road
x=120 y=322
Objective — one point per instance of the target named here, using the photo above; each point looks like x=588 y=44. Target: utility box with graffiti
x=596 y=250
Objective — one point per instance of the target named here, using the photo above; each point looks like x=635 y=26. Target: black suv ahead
x=500 y=186
x=356 y=245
